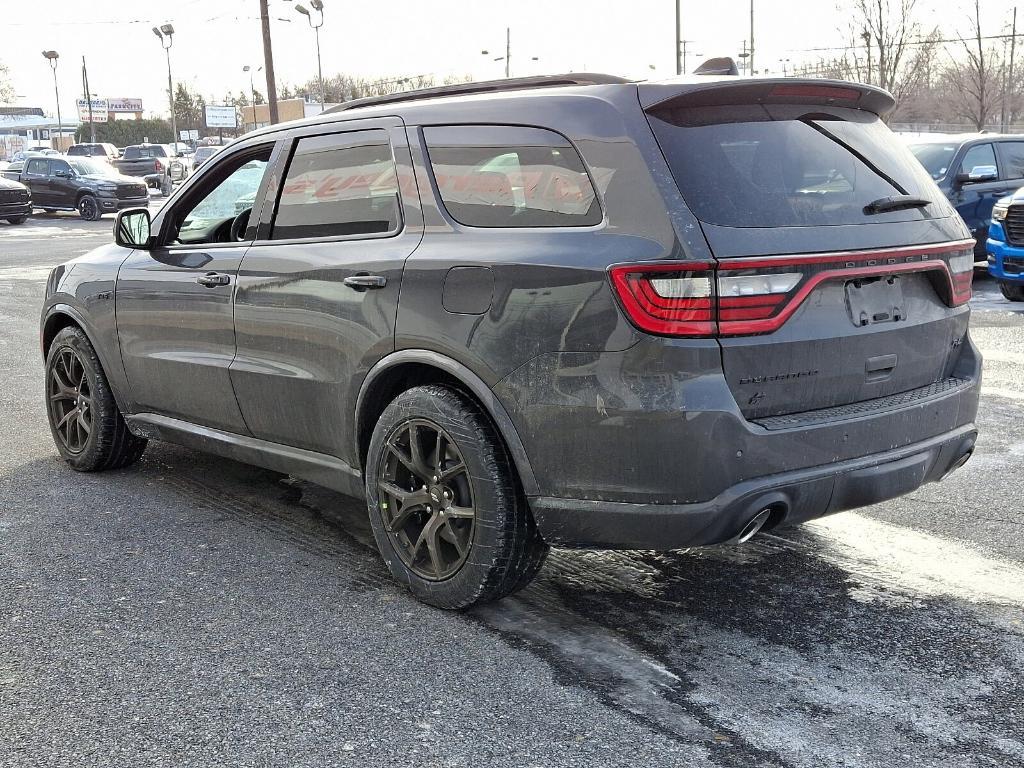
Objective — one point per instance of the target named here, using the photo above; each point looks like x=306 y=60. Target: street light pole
x=52 y=57
x=166 y=35
x=680 y=56
x=252 y=91
x=318 y=6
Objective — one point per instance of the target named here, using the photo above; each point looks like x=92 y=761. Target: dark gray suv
x=576 y=311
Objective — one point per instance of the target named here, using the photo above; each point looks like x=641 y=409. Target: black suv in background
x=15 y=201
x=102 y=151
x=89 y=186
x=568 y=310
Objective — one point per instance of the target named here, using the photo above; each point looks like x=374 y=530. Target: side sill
x=328 y=471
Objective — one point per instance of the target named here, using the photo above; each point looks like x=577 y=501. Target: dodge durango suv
x=570 y=310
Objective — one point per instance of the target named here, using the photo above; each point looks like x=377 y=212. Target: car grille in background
x=1014 y=224
x=1013 y=265
x=13 y=196
x=131 y=190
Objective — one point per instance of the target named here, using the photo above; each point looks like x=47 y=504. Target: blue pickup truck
x=973 y=171
x=1005 y=245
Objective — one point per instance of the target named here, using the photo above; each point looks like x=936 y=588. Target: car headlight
x=108 y=188
x=999 y=212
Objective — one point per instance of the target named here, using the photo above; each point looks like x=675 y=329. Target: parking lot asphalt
x=193 y=611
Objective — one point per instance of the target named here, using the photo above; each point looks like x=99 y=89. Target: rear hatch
x=840 y=272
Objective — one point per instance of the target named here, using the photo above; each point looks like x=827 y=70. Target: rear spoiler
x=716 y=92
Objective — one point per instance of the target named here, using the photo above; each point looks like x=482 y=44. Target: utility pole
x=268 y=62
x=508 y=52
x=88 y=100
x=1009 y=74
x=680 y=45
x=750 y=71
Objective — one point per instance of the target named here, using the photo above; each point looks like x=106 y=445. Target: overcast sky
x=389 y=38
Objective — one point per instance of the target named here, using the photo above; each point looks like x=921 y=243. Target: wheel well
x=389 y=385
x=82 y=193
x=56 y=323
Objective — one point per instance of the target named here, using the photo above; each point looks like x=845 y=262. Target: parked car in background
x=1005 y=245
x=156 y=163
x=203 y=153
x=87 y=185
x=15 y=201
x=973 y=171
x=104 y=151
x=579 y=311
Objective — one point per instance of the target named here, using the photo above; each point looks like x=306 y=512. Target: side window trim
x=291 y=146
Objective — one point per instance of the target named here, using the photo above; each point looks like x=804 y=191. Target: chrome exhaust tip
x=755 y=524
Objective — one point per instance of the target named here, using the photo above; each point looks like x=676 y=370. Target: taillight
x=746 y=296
x=667 y=300
x=159 y=165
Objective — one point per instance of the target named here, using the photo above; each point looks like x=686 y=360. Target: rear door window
x=782 y=166
x=979 y=154
x=504 y=176
x=1011 y=153
x=339 y=185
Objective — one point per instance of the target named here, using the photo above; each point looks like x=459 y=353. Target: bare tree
x=6 y=88
x=974 y=82
x=887 y=47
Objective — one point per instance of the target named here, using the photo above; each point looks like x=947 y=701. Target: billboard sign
x=100 y=108
x=221 y=116
x=122 y=104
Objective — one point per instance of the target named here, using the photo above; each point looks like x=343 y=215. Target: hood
x=119 y=179
x=9 y=184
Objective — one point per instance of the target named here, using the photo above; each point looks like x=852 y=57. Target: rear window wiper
x=895 y=203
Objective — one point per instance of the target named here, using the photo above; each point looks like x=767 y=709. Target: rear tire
x=17 y=220
x=86 y=425
x=449 y=517
x=89 y=208
x=1012 y=291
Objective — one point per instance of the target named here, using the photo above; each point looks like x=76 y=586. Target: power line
x=925 y=41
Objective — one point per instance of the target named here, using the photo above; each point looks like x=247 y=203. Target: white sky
x=215 y=38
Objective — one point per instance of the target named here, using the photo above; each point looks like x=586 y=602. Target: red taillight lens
x=667 y=300
x=159 y=165
x=745 y=296
x=961 y=270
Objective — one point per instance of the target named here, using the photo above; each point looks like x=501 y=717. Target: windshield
x=934 y=157
x=92 y=167
x=780 y=165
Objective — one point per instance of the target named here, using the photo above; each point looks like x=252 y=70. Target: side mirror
x=978 y=174
x=131 y=228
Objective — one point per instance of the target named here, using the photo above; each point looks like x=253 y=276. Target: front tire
x=86 y=425
x=89 y=209
x=17 y=220
x=1012 y=291
x=444 y=502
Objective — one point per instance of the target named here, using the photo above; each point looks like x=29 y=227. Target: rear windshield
x=144 y=153
x=783 y=166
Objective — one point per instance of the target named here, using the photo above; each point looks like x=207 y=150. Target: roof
x=484 y=86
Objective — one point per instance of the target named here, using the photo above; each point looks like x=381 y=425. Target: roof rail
x=485 y=86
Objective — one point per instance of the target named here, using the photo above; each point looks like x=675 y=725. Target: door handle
x=213 y=279
x=364 y=282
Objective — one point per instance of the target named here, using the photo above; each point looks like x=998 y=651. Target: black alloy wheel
x=88 y=208
x=88 y=429
x=426 y=499
x=70 y=400
x=446 y=507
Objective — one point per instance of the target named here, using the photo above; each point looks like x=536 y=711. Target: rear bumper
x=1005 y=262
x=793 y=497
